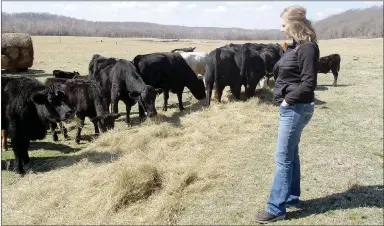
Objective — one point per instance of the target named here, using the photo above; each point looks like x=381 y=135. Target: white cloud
x=70 y=7
x=373 y=2
x=124 y=5
x=190 y=6
x=263 y=7
x=57 y=5
x=169 y=6
x=218 y=9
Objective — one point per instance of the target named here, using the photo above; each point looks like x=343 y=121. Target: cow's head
x=106 y=122
x=147 y=99
x=52 y=104
x=197 y=89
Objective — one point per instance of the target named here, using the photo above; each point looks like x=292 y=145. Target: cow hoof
x=182 y=109
x=165 y=109
x=55 y=137
x=77 y=141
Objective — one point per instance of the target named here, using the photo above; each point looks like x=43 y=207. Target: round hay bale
x=18 y=48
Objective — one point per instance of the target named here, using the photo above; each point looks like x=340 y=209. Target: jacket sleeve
x=308 y=57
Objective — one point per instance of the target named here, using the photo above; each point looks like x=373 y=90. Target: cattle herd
x=30 y=108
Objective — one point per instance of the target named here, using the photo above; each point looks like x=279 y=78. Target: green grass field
x=206 y=165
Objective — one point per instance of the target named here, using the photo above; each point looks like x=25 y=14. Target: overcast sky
x=247 y=14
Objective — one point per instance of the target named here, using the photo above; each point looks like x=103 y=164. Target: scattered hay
x=134 y=184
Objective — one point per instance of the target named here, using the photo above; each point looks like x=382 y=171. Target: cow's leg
x=80 y=126
x=95 y=125
x=128 y=107
x=114 y=101
x=219 y=93
x=63 y=130
x=180 y=99
x=20 y=150
x=141 y=113
x=335 y=75
x=53 y=131
x=236 y=90
x=4 y=142
x=166 y=97
x=209 y=87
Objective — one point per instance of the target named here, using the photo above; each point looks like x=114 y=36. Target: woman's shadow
x=355 y=197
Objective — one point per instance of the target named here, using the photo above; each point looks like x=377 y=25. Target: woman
x=294 y=91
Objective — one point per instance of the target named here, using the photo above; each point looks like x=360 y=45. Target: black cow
x=330 y=63
x=85 y=97
x=170 y=72
x=123 y=82
x=29 y=107
x=251 y=66
x=65 y=74
x=221 y=70
x=189 y=49
x=98 y=63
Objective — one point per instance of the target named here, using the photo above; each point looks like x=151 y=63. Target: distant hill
x=366 y=23
x=363 y=23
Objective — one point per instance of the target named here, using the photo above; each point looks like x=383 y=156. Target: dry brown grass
x=208 y=165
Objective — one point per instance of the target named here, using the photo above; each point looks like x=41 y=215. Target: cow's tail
x=338 y=63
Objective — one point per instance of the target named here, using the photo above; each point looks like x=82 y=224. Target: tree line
x=362 y=23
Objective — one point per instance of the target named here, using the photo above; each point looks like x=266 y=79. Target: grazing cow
x=196 y=60
x=65 y=74
x=189 y=49
x=123 y=82
x=330 y=63
x=85 y=97
x=29 y=107
x=221 y=71
x=170 y=72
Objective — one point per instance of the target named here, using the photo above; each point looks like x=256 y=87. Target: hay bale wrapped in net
x=16 y=51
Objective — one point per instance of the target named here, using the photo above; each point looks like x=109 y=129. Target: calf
x=85 y=97
x=330 y=63
x=170 y=72
x=221 y=71
x=29 y=106
x=189 y=49
x=196 y=60
x=123 y=82
x=65 y=74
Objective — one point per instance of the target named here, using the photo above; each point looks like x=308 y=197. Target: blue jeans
x=286 y=184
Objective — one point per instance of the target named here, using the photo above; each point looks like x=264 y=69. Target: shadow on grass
x=35 y=73
x=338 y=85
x=45 y=164
x=52 y=146
x=355 y=197
x=174 y=119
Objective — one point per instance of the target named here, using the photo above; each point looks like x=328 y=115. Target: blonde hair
x=299 y=27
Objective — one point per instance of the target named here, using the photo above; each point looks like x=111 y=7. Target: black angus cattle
x=330 y=63
x=189 y=49
x=29 y=107
x=221 y=70
x=170 y=72
x=251 y=66
x=85 y=97
x=65 y=74
x=98 y=63
x=124 y=83
x=99 y=68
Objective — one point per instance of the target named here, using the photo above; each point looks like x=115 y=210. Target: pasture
x=206 y=165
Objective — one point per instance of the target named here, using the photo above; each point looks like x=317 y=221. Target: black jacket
x=297 y=74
